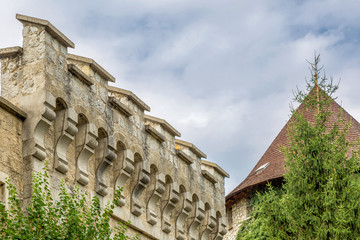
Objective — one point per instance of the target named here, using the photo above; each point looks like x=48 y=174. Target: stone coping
x=80 y=74
x=192 y=147
x=94 y=65
x=208 y=176
x=11 y=108
x=182 y=155
x=155 y=133
x=131 y=96
x=216 y=167
x=49 y=27
x=120 y=106
x=10 y=51
x=164 y=124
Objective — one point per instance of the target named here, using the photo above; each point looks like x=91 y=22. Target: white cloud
x=221 y=72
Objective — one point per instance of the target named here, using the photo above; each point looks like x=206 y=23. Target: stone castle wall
x=99 y=138
x=11 y=120
x=238 y=212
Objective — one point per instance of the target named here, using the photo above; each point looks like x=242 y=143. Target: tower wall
x=99 y=138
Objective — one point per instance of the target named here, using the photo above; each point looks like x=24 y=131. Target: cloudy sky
x=221 y=72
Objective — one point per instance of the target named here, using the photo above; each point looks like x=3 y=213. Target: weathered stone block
x=100 y=138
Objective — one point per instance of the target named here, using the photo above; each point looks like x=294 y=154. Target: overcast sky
x=221 y=72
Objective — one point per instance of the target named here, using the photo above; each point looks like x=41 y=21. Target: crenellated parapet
x=100 y=138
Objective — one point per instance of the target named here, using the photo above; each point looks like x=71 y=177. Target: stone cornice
x=80 y=74
x=216 y=167
x=208 y=176
x=49 y=27
x=10 y=51
x=94 y=65
x=11 y=108
x=120 y=106
x=183 y=156
x=192 y=147
x=163 y=124
x=132 y=97
x=155 y=133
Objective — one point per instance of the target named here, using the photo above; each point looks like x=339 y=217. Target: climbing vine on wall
x=72 y=217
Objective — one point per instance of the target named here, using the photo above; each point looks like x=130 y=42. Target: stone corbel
x=151 y=216
x=183 y=156
x=107 y=161
x=209 y=225
x=86 y=144
x=180 y=230
x=169 y=206
x=36 y=126
x=65 y=131
x=209 y=176
x=221 y=229
x=125 y=173
x=155 y=133
x=197 y=220
x=143 y=180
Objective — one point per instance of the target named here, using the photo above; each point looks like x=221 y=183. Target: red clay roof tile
x=274 y=156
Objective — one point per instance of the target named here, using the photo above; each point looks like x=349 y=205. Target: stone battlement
x=98 y=137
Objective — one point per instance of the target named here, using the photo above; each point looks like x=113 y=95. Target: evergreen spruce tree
x=320 y=197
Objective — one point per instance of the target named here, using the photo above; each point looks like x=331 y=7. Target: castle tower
x=58 y=108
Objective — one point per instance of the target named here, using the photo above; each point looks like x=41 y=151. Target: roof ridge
x=272 y=154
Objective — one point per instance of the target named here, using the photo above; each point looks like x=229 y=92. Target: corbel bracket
x=65 y=131
x=210 y=224
x=151 y=216
x=143 y=180
x=221 y=229
x=37 y=126
x=125 y=173
x=197 y=220
x=86 y=144
x=180 y=232
x=169 y=206
x=107 y=161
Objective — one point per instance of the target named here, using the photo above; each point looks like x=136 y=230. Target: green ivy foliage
x=72 y=217
x=320 y=197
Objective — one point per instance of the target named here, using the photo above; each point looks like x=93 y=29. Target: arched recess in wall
x=168 y=203
x=196 y=217
x=139 y=181
x=64 y=133
x=120 y=149
x=85 y=145
x=209 y=223
x=123 y=168
x=165 y=219
x=102 y=142
x=153 y=194
x=60 y=110
x=220 y=229
x=102 y=162
x=182 y=213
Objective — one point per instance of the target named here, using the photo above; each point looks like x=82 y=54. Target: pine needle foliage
x=70 y=218
x=320 y=197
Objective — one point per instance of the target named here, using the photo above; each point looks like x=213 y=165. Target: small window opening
x=229 y=218
x=2 y=192
x=262 y=168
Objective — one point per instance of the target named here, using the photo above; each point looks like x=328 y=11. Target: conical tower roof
x=270 y=167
